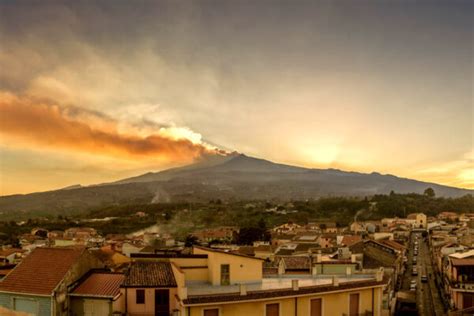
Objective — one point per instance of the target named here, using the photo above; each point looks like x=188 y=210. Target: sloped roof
x=100 y=284
x=150 y=274
x=265 y=248
x=393 y=244
x=293 y=262
x=349 y=240
x=41 y=271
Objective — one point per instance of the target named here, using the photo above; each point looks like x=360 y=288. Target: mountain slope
x=226 y=177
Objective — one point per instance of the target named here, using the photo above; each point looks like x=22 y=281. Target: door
x=225 y=274
x=26 y=305
x=162 y=302
x=272 y=310
x=316 y=307
x=467 y=300
x=354 y=304
x=96 y=307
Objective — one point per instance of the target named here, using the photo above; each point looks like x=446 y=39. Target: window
x=354 y=304
x=225 y=274
x=140 y=299
x=272 y=309
x=211 y=312
x=316 y=307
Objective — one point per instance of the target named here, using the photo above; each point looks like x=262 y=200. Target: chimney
x=243 y=289
x=348 y=270
x=295 y=285
x=335 y=280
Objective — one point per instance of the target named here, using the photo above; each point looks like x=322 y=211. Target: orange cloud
x=43 y=123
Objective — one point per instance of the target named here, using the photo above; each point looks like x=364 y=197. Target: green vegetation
x=253 y=217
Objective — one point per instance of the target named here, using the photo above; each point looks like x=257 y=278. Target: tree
x=247 y=235
x=429 y=192
x=190 y=241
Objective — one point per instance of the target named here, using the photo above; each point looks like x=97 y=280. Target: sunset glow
x=115 y=94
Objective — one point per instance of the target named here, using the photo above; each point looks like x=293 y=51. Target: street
x=427 y=296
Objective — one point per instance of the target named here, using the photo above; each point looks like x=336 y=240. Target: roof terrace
x=284 y=282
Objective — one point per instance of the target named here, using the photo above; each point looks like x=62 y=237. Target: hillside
x=231 y=177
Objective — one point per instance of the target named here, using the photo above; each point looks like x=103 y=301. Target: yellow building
x=217 y=283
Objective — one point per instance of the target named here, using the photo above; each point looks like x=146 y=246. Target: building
x=212 y=282
x=39 y=284
x=97 y=293
x=419 y=218
x=460 y=280
x=150 y=288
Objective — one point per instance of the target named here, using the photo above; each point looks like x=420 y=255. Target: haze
x=93 y=93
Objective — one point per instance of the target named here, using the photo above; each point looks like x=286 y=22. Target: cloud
x=42 y=122
x=458 y=172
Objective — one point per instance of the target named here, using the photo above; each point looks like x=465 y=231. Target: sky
x=93 y=92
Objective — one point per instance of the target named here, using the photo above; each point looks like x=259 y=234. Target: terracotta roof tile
x=349 y=240
x=41 y=271
x=100 y=284
x=150 y=274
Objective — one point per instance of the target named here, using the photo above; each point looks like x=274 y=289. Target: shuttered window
x=140 y=299
x=272 y=309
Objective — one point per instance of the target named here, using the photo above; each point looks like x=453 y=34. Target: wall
x=149 y=306
x=195 y=269
x=85 y=263
x=44 y=303
x=333 y=268
x=242 y=269
x=332 y=304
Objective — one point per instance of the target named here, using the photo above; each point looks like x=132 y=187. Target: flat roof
x=271 y=288
x=273 y=283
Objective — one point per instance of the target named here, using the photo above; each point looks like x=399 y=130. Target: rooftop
x=100 y=284
x=199 y=292
x=41 y=271
x=150 y=274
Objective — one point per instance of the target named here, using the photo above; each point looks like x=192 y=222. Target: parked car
x=424 y=278
x=414 y=272
x=413 y=287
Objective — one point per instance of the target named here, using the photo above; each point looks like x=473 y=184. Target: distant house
x=220 y=233
x=460 y=280
x=357 y=227
x=264 y=252
x=349 y=240
x=39 y=284
x=98 y=293
x=448 y=216
x=10 y=255
x=420 y=220
x=80 y=233
x=288 y=228
x=129 y=248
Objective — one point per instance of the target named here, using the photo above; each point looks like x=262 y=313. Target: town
x=416 y=265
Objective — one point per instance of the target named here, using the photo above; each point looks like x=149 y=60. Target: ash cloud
x=42 y=122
